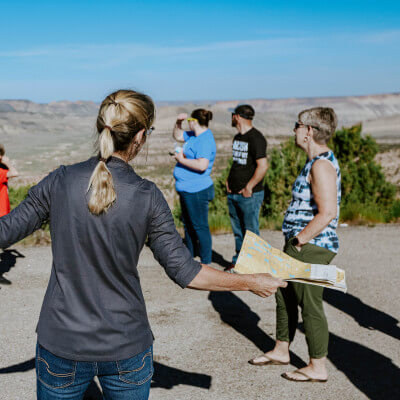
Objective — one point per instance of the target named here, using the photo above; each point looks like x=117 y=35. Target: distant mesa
x=4 y=107
x=380 y=114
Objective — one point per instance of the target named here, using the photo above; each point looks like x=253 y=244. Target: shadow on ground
x=8 y=259
x=365 y=315
x=220 y=260
x=236 y=313
x=371 y=372
x=167 y=377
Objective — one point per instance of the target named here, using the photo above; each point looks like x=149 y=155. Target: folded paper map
x=258 y=256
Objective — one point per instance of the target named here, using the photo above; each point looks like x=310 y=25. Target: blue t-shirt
x=202 y=146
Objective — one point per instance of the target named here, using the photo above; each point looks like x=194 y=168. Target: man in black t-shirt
x=245 y=180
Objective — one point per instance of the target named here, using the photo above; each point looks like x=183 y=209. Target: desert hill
x=379 y=113
x=42 y=136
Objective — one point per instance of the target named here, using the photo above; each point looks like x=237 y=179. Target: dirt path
x=203 y=340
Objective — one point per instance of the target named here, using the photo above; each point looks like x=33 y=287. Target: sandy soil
x=203 y=340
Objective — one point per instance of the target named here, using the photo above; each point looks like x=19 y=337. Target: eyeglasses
x=192 y=119
x=150 y=130
x=297 y=125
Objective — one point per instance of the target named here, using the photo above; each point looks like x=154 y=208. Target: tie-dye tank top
x=303 y=208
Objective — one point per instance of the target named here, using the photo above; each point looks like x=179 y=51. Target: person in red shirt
x=7 y=171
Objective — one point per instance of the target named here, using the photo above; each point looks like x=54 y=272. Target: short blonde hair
x=323 y=120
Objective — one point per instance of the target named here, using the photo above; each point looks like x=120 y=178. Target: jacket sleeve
x=30 y=213
x=167 y=245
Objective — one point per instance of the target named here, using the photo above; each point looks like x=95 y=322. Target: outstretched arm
x=211 y=279
x=172 y=254
x=29 y=215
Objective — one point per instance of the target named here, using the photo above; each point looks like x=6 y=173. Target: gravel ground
x=203 y=340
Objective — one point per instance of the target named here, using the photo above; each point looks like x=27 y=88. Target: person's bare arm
x=208 y=278
x=258 y=176
x=12 y=171
x=324 y=190
x=177 y=132
x=169 y=250
x=198 y=164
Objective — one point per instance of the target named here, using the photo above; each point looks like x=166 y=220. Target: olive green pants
x=309 y=298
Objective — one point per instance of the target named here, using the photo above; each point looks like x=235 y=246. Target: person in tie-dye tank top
x=309 y=228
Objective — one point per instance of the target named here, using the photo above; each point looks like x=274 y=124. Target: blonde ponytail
x=122 y=115
x=101 y=182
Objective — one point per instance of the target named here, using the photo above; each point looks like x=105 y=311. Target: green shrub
x=363 y=181
x=395 y=211
x=177 y=214
x=42 y=236
x=362 y=214
x=285 y=163
x=17 y=194
x=366 y=195
x=219 y=206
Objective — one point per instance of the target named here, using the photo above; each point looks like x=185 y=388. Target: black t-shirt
x=247 y=148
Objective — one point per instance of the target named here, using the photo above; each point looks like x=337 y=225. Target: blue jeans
x=244 y=213
x=195 y=220
x=59 y=378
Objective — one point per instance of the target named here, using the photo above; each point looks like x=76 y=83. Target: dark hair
x=203 y=116
x=245 y=111
x=2 y=150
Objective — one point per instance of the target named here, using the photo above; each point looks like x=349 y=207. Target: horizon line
x=192 y=101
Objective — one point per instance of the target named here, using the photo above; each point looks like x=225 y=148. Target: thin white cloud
x=133 y=49
x=382 y=37
x=103 y=56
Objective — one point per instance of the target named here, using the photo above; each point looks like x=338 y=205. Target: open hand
x=265 y=285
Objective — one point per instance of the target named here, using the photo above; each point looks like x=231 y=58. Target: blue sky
x=192 y=50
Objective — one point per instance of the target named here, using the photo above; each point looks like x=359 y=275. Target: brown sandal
x=309 y=379
x=268 y=362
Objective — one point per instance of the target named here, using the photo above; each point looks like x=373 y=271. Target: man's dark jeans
x=244 y=213
x=195 y=220
x=59 y=378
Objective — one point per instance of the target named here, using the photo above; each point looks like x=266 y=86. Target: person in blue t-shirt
x=193 y=182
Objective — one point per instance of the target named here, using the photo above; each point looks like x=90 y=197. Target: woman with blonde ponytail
x=93 y=319
x=103 y=193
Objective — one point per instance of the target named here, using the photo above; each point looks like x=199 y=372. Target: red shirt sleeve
x=3 y=175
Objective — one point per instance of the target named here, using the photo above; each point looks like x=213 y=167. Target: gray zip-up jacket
x=94 y=309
